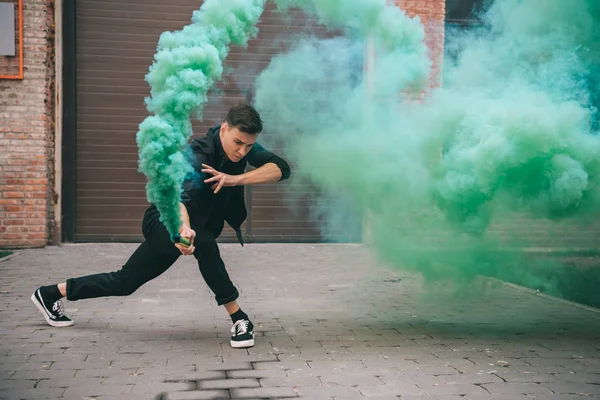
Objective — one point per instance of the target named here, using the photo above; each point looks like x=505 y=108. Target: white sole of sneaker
x=40 y=307
x=242 y=345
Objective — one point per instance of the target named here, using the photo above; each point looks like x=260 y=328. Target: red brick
x=14 y=195
x=14 y=222
x=34 y=215
x=8 y=201
x=12 y=182
x=36 y=182
x=9 y=236
x=14 y=215
x=38 y=224
x=431 y=13
x=27 y=136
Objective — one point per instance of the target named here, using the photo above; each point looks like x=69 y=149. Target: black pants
x=153 y=257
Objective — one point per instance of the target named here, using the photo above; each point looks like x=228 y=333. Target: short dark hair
x=245 y=118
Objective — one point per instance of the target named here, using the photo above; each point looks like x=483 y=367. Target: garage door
x=116 y=42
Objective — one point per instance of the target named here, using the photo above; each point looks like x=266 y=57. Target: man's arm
x=270 y=168
x=186 y=231
x=185 y=216
x=260 y=158
x=268 y=173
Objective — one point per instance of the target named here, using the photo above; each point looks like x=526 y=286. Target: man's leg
x=152 y=258
x=145 y=264
x=216 y=277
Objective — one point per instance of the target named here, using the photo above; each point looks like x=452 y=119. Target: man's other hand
x=189 y=234
x=219 y=179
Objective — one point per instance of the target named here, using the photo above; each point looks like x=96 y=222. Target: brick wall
x=432 y=14
x=26 y=136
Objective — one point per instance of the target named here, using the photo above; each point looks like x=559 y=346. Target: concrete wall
x=27 y=136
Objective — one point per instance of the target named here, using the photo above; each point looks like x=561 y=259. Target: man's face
x=236 y=143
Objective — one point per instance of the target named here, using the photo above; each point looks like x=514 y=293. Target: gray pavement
x=331 y=322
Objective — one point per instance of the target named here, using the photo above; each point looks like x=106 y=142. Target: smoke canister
x=182 y=241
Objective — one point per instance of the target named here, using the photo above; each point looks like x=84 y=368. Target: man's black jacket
x=208 y=210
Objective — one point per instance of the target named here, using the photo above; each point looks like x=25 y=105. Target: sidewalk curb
x=545 y=296
x=16 y=253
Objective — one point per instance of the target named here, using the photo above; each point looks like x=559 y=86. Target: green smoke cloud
x=508 y=139
x=185 y=67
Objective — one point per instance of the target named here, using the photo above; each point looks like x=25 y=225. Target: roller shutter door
x=116 y=42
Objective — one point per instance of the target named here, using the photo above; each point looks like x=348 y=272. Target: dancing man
x=220 y=159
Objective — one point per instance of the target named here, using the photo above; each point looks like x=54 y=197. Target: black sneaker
x=243 y=334
x=52 y=311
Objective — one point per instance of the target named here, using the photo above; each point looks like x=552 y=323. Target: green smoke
x=186 y=65
x=451 y=185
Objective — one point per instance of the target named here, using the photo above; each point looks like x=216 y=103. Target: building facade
x=27 y=134
x=68 y=156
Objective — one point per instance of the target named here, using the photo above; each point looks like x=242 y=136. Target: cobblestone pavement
x=331 y=324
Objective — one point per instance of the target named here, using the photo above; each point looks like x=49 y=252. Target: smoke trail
x=510 y=131
x=186 y=65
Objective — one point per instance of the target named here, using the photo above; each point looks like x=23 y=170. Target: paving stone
x=544 y=369
x=44 y=374
x=471 y=379
x=566 y=397
x=258 y=374
x=71 y=365
x=487 y=396
x=44 y=358
x=197 y=395
x=77 y=392
x=431 y=397
x=349 y=379
x=449 y=389
x=30 y=393
x=160 y=371
x=353 y=323
x=159 y=387
x=291 y=381
x=199 y=376
x=277 y=392
x=229 y=383
x=391 y=389
x=585 y=389
x=336 y=365
x=328 y=392
x=223 y=366
x=282 y=366
x=250 y=358
x=578 y=378
x=360 y=397
x=25 y=383
x=69 y=382
x=517 y=388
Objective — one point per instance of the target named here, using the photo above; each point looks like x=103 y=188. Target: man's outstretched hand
x=189 y=234
x=219 y=179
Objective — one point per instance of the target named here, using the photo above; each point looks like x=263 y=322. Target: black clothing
x=207 y=212
x=50 y=293
x=238 y=315
x=52 y=310
x=153 y=257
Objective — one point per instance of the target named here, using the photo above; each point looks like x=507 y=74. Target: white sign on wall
x=7 y=29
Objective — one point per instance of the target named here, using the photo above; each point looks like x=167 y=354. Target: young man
x=207 y=203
